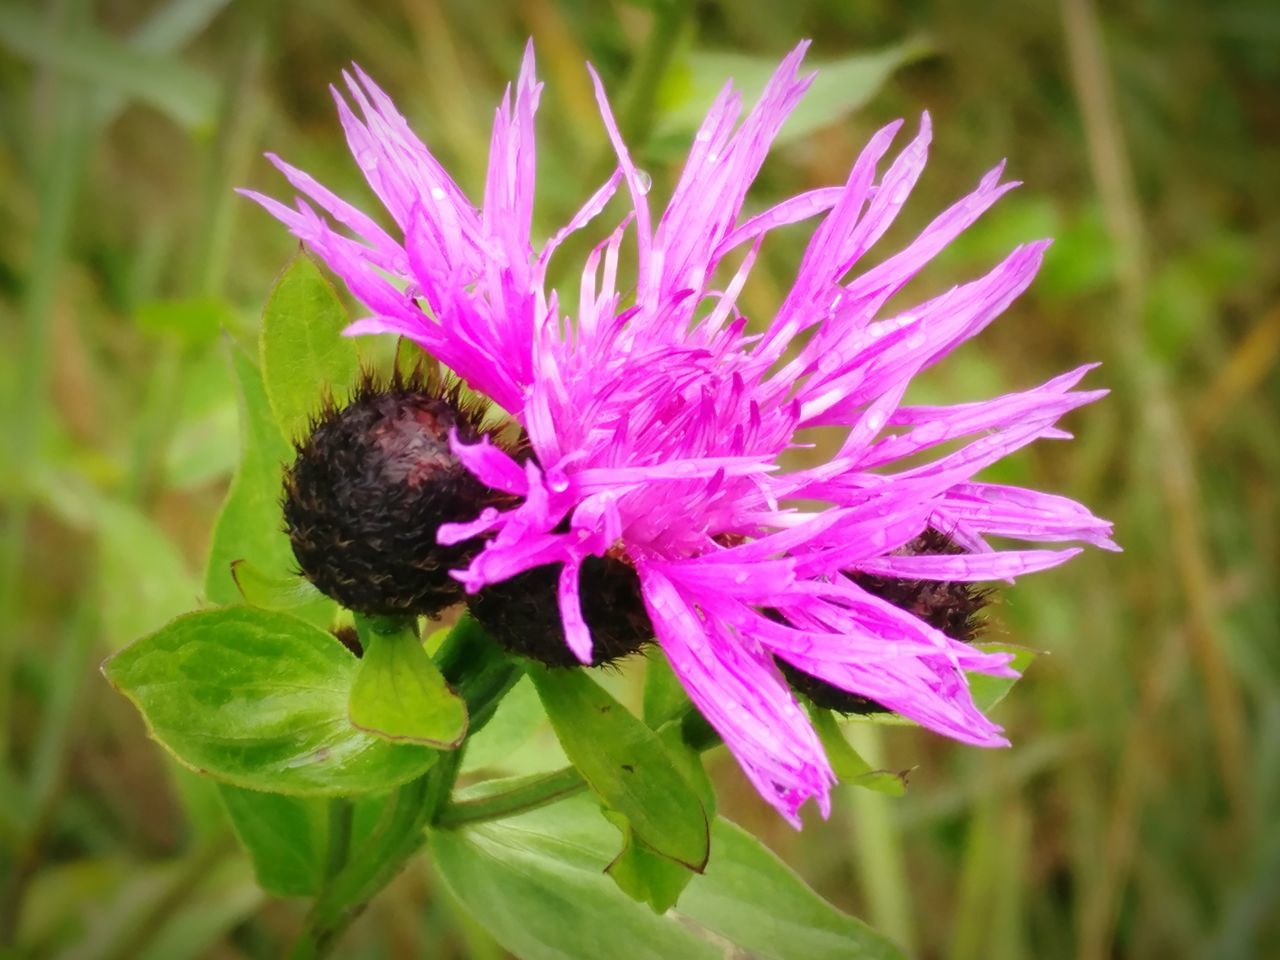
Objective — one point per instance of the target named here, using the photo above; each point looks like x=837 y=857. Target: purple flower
x=658 y=420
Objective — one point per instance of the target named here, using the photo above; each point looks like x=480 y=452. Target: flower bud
x=370 y=486
x=953 y=608
x=523 y=613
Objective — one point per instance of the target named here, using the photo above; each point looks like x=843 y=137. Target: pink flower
x=657 y=420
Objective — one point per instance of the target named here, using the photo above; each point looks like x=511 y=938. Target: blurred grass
x=1135 y=815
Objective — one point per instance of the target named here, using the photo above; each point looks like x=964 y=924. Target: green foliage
x=987 y=690
x=1152 y=728
x=644 y=875
x=285 y=836
x=841 y=87
x=399 y=693
x=848 y=763
x=626 y=764
x=287 y=594
x=517 y=719
x=180 y=90
x=305 y=358
x=249 y=524
x=536 y=882
x=288 y=838
x=259 y=700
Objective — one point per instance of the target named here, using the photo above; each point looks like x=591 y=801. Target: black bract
x=523 y=613
x=370 y=486
x=953 y=608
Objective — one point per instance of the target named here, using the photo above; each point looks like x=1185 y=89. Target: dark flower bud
x=370 y=486
x=523 y=613
x=953 y=608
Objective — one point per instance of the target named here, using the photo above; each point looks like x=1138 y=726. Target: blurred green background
x=1135 y=815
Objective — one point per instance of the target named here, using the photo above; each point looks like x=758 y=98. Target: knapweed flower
x=369 y=487
x=657 y=418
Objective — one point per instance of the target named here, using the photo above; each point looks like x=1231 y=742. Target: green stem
x=529 y=795
x=482 y=674
x=341 y=811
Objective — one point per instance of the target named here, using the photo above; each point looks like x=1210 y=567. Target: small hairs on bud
x=953 y=608
x=523 y=613
x=369 y=488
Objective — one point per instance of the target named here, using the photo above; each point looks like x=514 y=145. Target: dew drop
x=928 y=433
x=703 y=136
x=644 y=182
x=437 y=193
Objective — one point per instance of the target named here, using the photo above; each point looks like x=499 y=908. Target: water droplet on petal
x=437 y=193
x=644 y=182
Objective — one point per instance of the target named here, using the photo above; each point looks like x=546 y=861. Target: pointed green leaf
x=664 y=697
x=535 y=882
x=399 y=693
x=259 y=700
x=518 y=717
x=250 y=525
x=987 y=691
x=260 y=589
x=305 y=357
x=626 y=764
x=755 y=901
x=643 y=875
x=848 y=763
x=287 y=838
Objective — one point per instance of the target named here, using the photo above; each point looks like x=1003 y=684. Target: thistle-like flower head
x=657 y=419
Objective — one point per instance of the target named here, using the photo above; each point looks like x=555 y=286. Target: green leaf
x=305 y=358
x=643 y=875
x=399 y=693
x=754 y=900
x=184 y=93
x=535 y=882
x=688 y=761
x=250 y=525
x=988 y=691
x=286 y=838
x=145 y=578
x=848 y=763
x=196 y=321
x=259 y=700
x=664 y=697
x=626 y=764
x=841 y=86
x=518 y=718
x=204 y=444
x=273 y=593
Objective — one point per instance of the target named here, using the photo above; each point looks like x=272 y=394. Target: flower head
x=657 y=420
